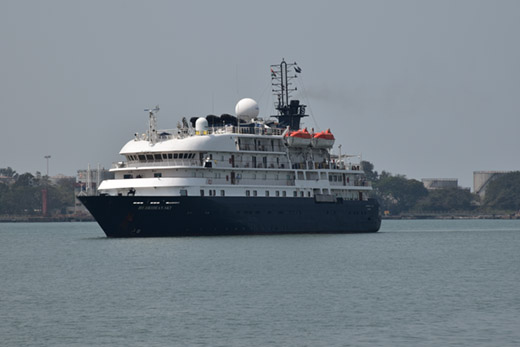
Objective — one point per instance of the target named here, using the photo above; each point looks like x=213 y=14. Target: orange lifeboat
x=298 y=138
x=323 y=139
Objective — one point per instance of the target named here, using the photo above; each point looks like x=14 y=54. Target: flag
x=273 y=74
x=297 y=69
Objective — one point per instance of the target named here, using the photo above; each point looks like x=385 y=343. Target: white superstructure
x=250 y=160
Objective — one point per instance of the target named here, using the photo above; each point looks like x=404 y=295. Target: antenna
x=152 y=125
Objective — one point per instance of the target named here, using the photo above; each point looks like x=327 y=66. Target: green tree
x=503 y=193
x=447 y=200
x=61 y=195
x=368 y=168
x=24 y=195
x=4 y=189
x=24 y=180
x=8 y=172
x=399 y=194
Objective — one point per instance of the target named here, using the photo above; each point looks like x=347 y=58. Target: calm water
x=416 y=283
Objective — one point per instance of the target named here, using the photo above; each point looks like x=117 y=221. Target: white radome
x=201 y=124
x=247 y=109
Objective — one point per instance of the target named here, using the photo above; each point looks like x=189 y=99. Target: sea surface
x=415 y=283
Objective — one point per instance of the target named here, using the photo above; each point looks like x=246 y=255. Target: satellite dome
x=201 y=124
x=247 y=109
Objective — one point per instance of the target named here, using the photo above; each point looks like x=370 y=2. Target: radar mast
x=290 y=112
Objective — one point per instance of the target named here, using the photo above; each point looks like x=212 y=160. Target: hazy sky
x=421 y=88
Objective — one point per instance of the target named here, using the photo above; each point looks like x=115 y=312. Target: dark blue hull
x=147 y=216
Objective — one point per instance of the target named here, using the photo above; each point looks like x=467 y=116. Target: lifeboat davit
x=298 y=138
x=323 y=139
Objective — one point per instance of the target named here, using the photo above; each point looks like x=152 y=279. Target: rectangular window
x=164 y=156
x=170 y=156
x=301 y=194
x=248 y=193
x=266 y=193
x=277 y=193
x=157 y=174
x=295 y=193
x=142 y=157
x=284 y=193
x=255 y=193
x=157 y=157
x=202 y=192
x=183 y=192
x=222 y=193
x=149 y=157
x=175 y=155
x=126 y=176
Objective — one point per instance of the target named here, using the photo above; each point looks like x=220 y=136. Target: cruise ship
x=235 y=175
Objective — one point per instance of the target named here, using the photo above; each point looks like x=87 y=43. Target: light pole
x=47 y=157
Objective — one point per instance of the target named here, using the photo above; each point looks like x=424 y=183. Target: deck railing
x=168 y=134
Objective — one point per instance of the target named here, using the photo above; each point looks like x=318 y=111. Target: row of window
x=213 y=192
x=160 y=156
x=277 y=193
x=128 y=176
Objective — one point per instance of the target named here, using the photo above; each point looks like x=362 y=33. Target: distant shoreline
x=88 y=218
x=42 y=219
x=454 y=216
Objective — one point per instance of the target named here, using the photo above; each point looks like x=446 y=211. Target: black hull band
x=147 y=216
